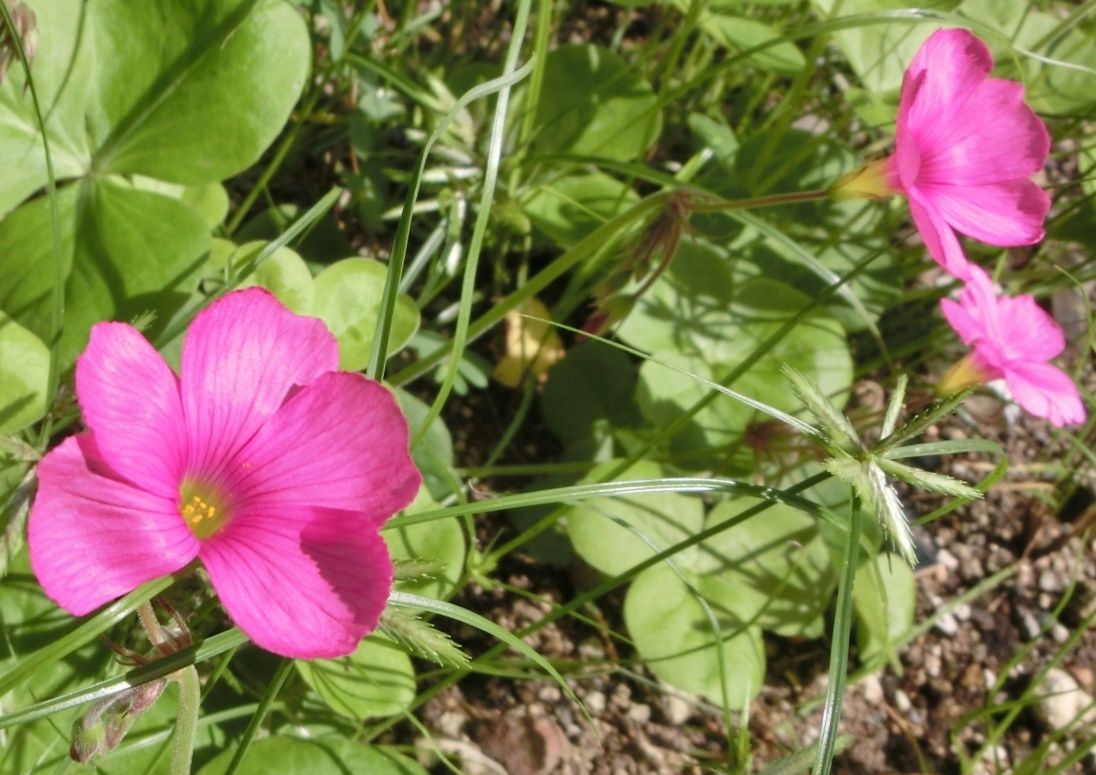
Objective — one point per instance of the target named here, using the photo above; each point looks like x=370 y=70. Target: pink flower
x=965 y=147
x=262 y=460
x=1012 y=339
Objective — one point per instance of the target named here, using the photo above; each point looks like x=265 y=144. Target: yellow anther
x=198 y=510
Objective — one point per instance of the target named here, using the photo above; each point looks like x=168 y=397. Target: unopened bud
x=106 y=724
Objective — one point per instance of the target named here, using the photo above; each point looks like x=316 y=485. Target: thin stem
x=719 y=205
x=186 y=723
x=57 y=291
x=589 y=246
x=271 y=694
x=153 y=629
x=479 y=229
x=839 y=649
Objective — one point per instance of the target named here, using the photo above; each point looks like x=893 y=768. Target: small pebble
x=1029 y=625
x=595 y=703
x=450 y=723
x=1063 y=703
x=1049 y=581
x=947 y=559
x=640 y=714
x=1084 y=676
x=902 y=701
x=676 y=710
x=873 y=690
x=947 y=625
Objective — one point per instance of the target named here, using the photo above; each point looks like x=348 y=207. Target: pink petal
x=1046 y=391
x=906 y=161
x=242 y=356
x=130 y=401
x=1027 y=332
x=968 y=329
x=940 y=239
x=992 y=137
x=302 y=582
x=951 y=64
x=1003 y=214
x=339 y=443
x=93 y=537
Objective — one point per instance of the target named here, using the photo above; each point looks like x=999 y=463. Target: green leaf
x=24 y=376
x=376 y=680
x=283 y=273
x=347 y=297
x=613 y=534
x=773 y=572
x=128 y=252
x=433 y=455
x=569 y=208
x=184 y=92
x=739 y=33
x=208 y=200
x=315 y=756
x=879 y=53
x=594 y=104
x=21 y=153
x=885 y=600
x=1060 y=78
x=192 y=92
x=674 y=637
x=440 y=545
x=700 y=318
x=593 y=382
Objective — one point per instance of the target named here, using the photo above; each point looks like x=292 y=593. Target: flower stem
x=839 y=647
x=186 y=723
x=151 y=625
x=717 y=205
x=190 y=694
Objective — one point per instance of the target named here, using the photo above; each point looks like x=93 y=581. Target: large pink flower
x=965 y=147
x=1012 y=339
x=262 y=460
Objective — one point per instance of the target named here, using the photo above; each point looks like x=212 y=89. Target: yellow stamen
x=199 y=506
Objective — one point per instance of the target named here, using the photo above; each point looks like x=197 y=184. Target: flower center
x=202 y=508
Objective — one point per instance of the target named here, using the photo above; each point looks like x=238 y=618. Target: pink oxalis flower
x=964 y=149
x=262 y=459
x=1011 y=339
